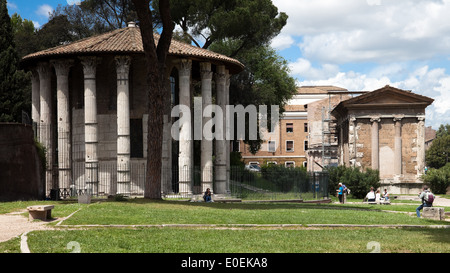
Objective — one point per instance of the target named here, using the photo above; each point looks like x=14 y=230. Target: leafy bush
x=438 y=179
x=359 y=182
x=284 y=178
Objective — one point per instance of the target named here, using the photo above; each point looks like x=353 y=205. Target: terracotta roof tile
x=128 y=40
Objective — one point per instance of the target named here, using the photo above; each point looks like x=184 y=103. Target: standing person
x=370 y=197
x=427 y=198
x=340 y=192
x=346 y=191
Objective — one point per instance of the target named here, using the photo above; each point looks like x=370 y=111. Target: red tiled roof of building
x=128 y=41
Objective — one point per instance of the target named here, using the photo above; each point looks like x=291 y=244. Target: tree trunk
x=155 y=56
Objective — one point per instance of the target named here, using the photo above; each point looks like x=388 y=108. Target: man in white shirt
x=370 y=197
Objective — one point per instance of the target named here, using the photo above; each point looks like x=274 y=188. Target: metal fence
x=278 y=184
x=69 y=175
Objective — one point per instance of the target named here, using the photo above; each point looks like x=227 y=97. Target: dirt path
x=14 y=224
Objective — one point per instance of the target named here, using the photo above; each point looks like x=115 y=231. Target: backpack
x=429 y=198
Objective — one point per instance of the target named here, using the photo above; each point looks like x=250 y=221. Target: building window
x=289 y=164
x=289 y=146
x=271 y=146
x=270 y=163
x=305 y=164
x=305 y=145
x=289 y=127
x=306 y=127
x=236 y=145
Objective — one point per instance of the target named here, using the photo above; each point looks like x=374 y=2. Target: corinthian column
x=185 y=159
x=90 y=123
x=62 y=68
x=221 y=143
x=35 y=100
x=123 y=125
x=45 y=124
x=398 y=146
x=206 y=144
x=420 y=145
x=375 y=143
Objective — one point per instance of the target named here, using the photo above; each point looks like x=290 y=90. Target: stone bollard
x=433 y=213
x=84 y=199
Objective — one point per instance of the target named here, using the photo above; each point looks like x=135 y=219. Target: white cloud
x=373 y=30
x=282 y=42
x=11 y=5
x=73 y=2
x=36 y=24
x=44 y=10
x=303 y=68
x=433 y=83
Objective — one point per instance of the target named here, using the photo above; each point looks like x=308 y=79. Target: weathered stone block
x=84 y=199
x=433 y=213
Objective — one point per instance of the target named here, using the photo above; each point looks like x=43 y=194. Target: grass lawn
x=177 y=240
x=142 y=212
x=230 y=239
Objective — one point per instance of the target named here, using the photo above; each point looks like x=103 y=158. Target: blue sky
x=354 y=44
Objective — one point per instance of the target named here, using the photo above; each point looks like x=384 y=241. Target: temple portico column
x=398 y=146
x=123 y=125
x=228 y=129
x=45 y=124
x=420 y=145
x=206 y=144
x=185 y=158
x=375 y=143
x=35 y=100
x=221 y=146
x=90 y=123
x=62 y=68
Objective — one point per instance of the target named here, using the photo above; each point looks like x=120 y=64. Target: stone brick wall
x=21 y=171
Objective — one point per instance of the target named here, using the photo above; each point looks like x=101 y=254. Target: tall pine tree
x=14 y=83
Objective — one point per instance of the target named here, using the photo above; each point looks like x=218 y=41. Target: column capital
x=205 y=71
x=34 y=74
x=185 y=68
x=90 y=66
x=398 y=118
x=222 y=74
x=421 y=118
x=375 y=119
x=62 y=67
x=44 y=70
x=123 y=64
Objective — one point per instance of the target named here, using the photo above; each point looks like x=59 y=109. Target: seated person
x=207 y=196
x=370 y=197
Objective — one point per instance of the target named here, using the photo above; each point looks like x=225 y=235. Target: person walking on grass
x=427 y=198
x=340 y=193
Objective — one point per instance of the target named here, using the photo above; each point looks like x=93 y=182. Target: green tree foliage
x=251 y=23
x=286 y=179
x=438 y=153
x=93 y=17
x=14 y=83
x=264 y=81
x=438 y=179
x=24 y=35
x=359 y=182
x=444 y=130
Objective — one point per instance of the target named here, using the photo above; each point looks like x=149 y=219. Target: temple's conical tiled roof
x=127 y=41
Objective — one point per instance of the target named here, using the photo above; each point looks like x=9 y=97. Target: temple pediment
x=386 y=97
